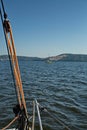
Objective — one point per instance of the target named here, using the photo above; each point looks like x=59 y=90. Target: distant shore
x=61 y=57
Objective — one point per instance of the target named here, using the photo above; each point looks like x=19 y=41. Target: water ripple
x=61 y=87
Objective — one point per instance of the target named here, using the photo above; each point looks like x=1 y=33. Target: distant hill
x=5 y=57
x=62 y=57
x=69 y=57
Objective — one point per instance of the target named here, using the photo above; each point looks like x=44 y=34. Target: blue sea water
x=61 y=87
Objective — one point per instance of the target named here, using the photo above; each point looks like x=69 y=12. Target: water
x=61 y=87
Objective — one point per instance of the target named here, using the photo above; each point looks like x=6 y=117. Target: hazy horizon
x=46 y=56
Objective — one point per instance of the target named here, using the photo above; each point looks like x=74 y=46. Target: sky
x=43 y=28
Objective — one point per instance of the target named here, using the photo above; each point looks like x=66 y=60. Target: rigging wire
x=39 y=117
x=5 y=15
x=56 y=119
x=14 y=84
x=21 y=110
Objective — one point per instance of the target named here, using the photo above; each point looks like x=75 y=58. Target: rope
x=10 y=123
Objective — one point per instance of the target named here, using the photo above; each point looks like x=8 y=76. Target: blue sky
x=47 y=27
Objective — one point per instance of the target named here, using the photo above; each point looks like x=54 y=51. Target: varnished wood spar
x=15 y=66
x=21 y=110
